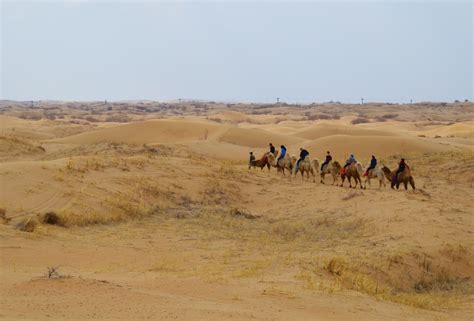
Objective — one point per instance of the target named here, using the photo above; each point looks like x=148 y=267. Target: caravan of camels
x=351 y=170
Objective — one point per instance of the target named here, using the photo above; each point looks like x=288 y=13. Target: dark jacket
x=401 y=167
x=304 y=153
x=328 y=158
x=272 y=149
x=373 y=163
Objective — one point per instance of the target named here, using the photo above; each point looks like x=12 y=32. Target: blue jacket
x=283 y=151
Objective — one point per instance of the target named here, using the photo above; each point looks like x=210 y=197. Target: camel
x=286 y=162
x=375 y=173
x=332 y=168
x=404 y=177
x=355 y=171
x=307 y=166
x=262 y=162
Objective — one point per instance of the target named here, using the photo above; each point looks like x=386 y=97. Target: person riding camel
x=373 y=164
x=251 y=160
x=401 y=167
x=272 y=148
x=282 y=153
x=328 y=159
x=350 y=160
x=303 y=154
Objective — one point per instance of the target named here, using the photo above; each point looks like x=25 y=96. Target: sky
x=237 y=51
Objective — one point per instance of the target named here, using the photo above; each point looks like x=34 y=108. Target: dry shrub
x=336 y=266
x=91 y=119
x=51 y=218
x=240 y=213
x=53 y=272
x=31 y=115
x=455 y=253
x=360 y=120
x=118 y=118
x=390 y=116
x=442 y=281
x=27 y=225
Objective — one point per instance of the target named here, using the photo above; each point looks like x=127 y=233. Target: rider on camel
x=272 y=148
x=282 y=153
x=373 y=164
x=303 y=154
x=401 y=167
x=328 y=159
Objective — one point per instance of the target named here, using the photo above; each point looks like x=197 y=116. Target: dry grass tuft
x=235 y=212
x=27 y=225
x=336 y=266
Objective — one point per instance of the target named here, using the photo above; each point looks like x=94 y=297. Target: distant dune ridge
x=317 y=138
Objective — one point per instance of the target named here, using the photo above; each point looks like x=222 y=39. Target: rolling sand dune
x=462 y=130
x=153 y=131
x=365 y=146
x=162 y=219
x=323 y=130
x=256 y=137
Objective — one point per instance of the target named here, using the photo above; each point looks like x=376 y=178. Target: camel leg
x=342 y=180
x=406 y=185
x=412 y=183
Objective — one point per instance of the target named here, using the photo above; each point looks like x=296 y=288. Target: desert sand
x=148 y=211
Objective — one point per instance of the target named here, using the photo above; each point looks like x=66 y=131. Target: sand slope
x=464 y=130
x=365 y=146
x=256 y=137
x=153 y=131
x=323 y=130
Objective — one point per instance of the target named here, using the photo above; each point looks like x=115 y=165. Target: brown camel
x=404 y=177
x=332 y=168
x=355 y=171
x=262 y=162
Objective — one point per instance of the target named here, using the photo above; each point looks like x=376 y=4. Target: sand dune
x=365 y=146
x=464 y=130
x=323 y=130
x=153 y=131
x=256 y=137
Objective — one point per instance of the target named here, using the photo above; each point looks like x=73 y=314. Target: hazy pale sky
x=237 y=51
